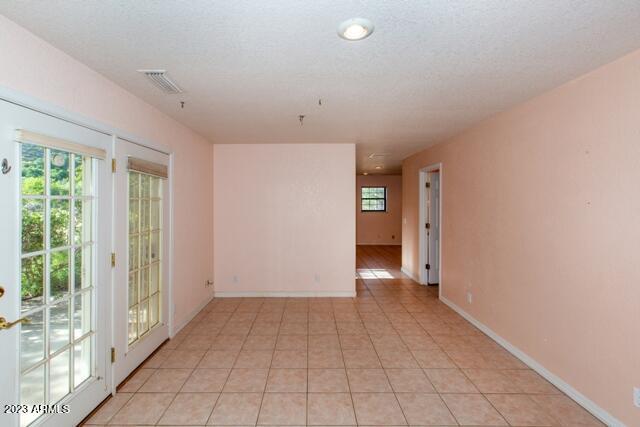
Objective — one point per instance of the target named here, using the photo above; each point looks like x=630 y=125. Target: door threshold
x=135 y=371
x=122 y=384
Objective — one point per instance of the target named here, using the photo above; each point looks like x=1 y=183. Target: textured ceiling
x=249 y=68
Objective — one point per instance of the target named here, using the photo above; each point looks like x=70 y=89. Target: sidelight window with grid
x=373 y=199
x=57 y=274
x=145 y=231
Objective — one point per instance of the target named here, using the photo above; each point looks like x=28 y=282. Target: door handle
x=8 y=325
x=5 y=167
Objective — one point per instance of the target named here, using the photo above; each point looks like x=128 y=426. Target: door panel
x=433 y=232
x=140 y=240
x=53 y=268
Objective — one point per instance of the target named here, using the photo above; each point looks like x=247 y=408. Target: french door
x=55 y=235
x=141 y=242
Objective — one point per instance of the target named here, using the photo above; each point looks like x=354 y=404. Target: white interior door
x=54 y=269
x=433 y=227
x=141 y=242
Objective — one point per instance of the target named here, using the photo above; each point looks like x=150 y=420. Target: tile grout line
x=228 y=375
x=355 y=415
x=384 y=370
x=383 y=296
x=434 y=387
x=308 y=347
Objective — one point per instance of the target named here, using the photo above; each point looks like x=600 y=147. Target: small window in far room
x=374 y=199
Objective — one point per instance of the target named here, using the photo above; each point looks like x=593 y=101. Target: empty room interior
x=322 y=213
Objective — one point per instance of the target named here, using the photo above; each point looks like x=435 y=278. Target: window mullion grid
x=160 y=249
x=58 y=249
x=53 y=355
x=72 y=271
x=137 y=269
x=47 y=271
x=45 y=308
x=129 y=200
x=367 y=207
x=139 y=258
x=147 y=232
x=27 y=313
x=56 y=353
x=55 y=197
x=89 y=178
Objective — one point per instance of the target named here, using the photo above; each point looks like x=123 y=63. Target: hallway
x=394 y=355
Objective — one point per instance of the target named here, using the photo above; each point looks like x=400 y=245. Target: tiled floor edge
x=177 y=328
x=410 y=274
x=287 y=294
x=571 y=392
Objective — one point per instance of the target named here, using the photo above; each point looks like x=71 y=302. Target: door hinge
x=428 y=185
x=113 y=259
x=113 y=165
x=428 y=266
x=427 y=226
x=113 y=355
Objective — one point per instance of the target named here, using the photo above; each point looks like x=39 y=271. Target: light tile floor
x=394 y=355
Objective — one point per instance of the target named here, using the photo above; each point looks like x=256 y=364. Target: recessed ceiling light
x=365 y=173
x=355 y=29
x=378 y=167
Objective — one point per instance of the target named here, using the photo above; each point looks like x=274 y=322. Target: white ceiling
x=249 y=68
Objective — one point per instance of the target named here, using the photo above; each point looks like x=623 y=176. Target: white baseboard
x=379 y=244
x=410 y=274
x=285 y=294
x=190 y=316
x=574 y=394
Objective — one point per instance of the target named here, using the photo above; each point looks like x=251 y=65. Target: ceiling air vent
x=160 y=79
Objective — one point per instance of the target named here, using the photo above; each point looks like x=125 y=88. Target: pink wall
x=541 y=209
x=32 y=66
x=379 y=228
x=283 y=219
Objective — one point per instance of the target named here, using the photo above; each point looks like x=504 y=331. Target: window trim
x=373 y=198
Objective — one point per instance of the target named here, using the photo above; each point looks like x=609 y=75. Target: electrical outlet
x=235 y=279
x=469 y=297
x=636 y=396
x=316 y=277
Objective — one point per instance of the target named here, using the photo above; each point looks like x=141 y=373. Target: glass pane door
x=141 y=230
x=57 y=274
x=145 y=236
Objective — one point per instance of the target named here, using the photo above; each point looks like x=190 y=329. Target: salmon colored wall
x=541 y=222
x=283 y=219
x=379 y=228
x=31 y=66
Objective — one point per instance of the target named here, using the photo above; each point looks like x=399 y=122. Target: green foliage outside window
x=33 y=220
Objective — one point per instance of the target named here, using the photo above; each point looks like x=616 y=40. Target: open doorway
x=379 y=210
x=430 y=216
x=378 y=227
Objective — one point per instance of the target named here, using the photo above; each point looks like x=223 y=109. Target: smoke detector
x=162 y=81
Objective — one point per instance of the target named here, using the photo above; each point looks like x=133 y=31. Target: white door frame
x=53 y=110
x=423 y=219
x=143 y=348
x=87 y=395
